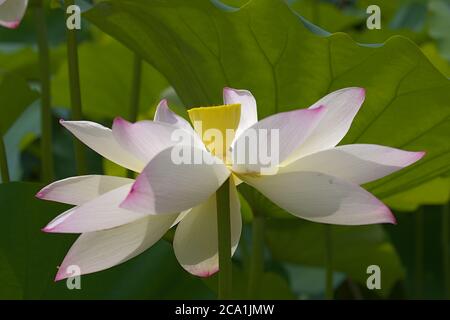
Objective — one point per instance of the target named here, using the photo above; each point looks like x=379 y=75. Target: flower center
x=217 y=127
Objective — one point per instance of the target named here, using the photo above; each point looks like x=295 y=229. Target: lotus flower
x=312 y=178
x=11 y=12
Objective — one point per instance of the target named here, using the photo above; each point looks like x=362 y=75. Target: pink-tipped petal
x=390 y=218
x=81 y=189
x=195 y=241
x=100 y=213
x=322 y=198
x=10 y=25
x=359 y=163
x=164 y=114
x=12 y=12
x=100 y=250
x=249 y=111
x=101 y=140
x=167 y=185
x=341 y=106
x=278 y=136
x=146 y=139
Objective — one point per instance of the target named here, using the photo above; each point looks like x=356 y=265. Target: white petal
x=101 y=140
x=82 y=189
x=12 y=12
x=180 y=217
x=278 y=136
x=195 y=242
x=249 y=112
x=146 y=139
x=322 y=198
x=101 y=213
x=359 y=163
x=342 y=106
x=165 y=115
x=167 y=186
x=100 y=250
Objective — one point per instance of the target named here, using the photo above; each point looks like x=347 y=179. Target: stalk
x=445 y=249
x=224 y=240
x=4 y=171
x=419 y=253
x=75 y=92
x=328 y=263
x=44 y=70
x=257 y=256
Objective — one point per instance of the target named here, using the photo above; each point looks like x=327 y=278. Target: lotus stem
x=419 y=253
x=46 y=113
x=445 y=249
x=257 y=256
x=75 y=92
x=328 y=263
x=3 y=162
x=224 y=240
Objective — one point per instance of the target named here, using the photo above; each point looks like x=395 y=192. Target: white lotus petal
x=322 y=198
x=81 y=189
x=195 y=242
x=101 y=140
x=342 y=106
x=100 y=250
x=167 y=186
x=249 y=112
x=359 y=163
x=148 y=138
x=269 y=142
x=12 y=12
x=101 y=213
x=164 y=114
x=180 y=217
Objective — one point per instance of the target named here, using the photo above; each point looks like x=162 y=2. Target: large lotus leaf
x=106 y=78
x=432 y=192
x=200 y=47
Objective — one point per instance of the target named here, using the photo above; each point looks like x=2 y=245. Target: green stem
x=328 y=263
x=135 y=88
x=46 y=113
x=445 y=249
x=75 y=92
x=419 y=253
x=257 y=256
x=224 y=240
x=3 y=162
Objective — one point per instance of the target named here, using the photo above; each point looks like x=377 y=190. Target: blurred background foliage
x=191 y=49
